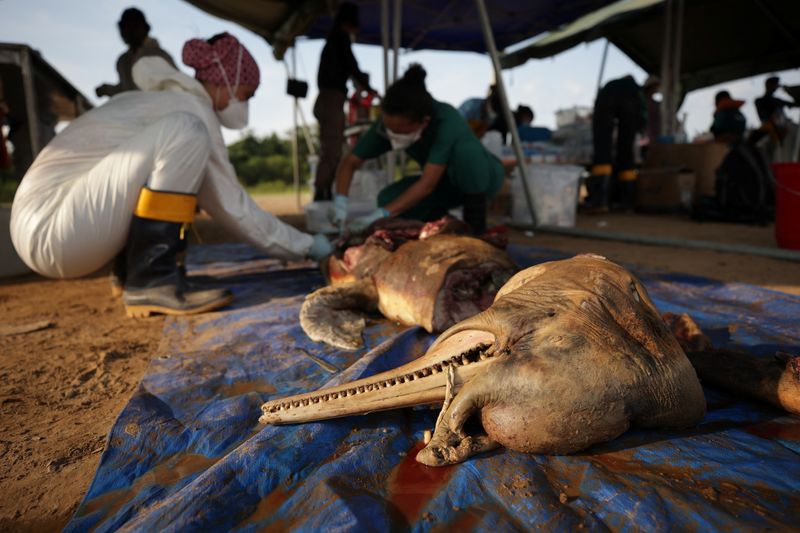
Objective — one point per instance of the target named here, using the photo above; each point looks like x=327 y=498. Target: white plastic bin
x=555 y=194
x=317 y=214
x=368 y=182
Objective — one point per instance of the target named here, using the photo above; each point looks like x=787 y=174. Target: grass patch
x=7 y=189
x=9 y=186
x=274 y=187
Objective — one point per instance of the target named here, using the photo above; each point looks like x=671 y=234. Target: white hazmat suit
x=72 y=211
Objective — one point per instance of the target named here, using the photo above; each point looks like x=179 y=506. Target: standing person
x=497 y=117
x=770 y=108
x=775 y=125
x=620 y=104
x=456 y=168
x=134 y=30
x=128 y=175
x=653 y=85
x=336 y=66
x=729 y=123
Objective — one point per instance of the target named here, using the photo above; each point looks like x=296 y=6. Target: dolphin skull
x=571 y=353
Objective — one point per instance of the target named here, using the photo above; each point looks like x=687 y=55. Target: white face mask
x=403 y=140
x=235 y=114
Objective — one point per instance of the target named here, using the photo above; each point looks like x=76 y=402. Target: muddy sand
x=70 y=358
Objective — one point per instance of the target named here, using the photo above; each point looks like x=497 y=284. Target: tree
x=266 y=159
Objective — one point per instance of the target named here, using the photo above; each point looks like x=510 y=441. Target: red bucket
x=787 y=204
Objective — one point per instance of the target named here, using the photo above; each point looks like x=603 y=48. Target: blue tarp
x=187 y=452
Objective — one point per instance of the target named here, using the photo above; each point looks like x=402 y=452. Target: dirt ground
x=70 y=359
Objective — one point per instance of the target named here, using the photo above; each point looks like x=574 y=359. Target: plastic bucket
x=555 y=194
x=787 y=204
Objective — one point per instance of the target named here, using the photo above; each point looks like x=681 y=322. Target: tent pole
x=488 y=37
x=602 y=68
x=385 y=41
x=30 y=102
x=676 y=67
x=397 y=35
x=656 y=240
x=666 y=72
x=312 y=150
x=295 y=150
x=397 y=25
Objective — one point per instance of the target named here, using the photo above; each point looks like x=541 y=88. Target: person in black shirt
x=336 y=66
x=622 y=105
x=770 y=110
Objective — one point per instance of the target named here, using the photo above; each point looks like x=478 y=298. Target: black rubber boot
x=117 y=275
x=598 y=189
x=154 y=283
x=627 y=195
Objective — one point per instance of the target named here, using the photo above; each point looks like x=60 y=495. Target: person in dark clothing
x=135 y=32
x=770 y=110
x=336 y=66
x=621 y=103
x=457 y=170
x=498 y=120
x=523 y=116
x=729 y=123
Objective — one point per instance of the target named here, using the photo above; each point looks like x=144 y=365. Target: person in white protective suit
x=124 y=180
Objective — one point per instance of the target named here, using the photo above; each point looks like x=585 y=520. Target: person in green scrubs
x=456 y=169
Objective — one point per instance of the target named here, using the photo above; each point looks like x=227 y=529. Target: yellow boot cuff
x=166 y=206
x=601 y=170
x=628 y=175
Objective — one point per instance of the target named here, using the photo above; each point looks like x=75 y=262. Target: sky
x=80 y=39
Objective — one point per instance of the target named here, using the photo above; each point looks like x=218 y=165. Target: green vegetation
x=274 y=187
x=8 y=186
x=265 y=164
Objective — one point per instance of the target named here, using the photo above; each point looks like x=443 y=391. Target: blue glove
x=337 y=214
x=320 y=248
x=360 y=224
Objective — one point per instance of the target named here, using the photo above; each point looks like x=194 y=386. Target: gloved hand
x=321 y=247
x=104 y=90
x=360 y=224
x=337 y=214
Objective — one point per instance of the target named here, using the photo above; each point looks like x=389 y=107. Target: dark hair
x=217 y=37
x=408 y=96
x=346 y=14
x=772 y=80
x=722 y=95
x=523 y=110
x=133 y=17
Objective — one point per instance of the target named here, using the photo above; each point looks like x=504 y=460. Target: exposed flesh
x=570 y=353
x=775 y=380
x=432 y=283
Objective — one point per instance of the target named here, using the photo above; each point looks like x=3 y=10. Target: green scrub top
x=447 y=140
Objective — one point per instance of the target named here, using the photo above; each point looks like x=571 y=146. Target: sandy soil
x=63 y=382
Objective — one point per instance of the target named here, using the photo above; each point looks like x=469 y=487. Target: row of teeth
x=472 y=356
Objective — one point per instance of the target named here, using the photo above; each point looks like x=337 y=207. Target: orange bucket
x=787 y=204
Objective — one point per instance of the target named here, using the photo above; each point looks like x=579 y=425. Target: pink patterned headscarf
x=227 y=52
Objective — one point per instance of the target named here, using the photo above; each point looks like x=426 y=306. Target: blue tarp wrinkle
x=187 y=452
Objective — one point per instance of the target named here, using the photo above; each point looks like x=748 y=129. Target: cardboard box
x=665 y=189
x=703 y=159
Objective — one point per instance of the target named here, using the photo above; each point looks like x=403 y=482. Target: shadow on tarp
x=187 y=452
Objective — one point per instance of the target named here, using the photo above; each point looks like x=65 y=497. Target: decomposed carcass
x=570 y=353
